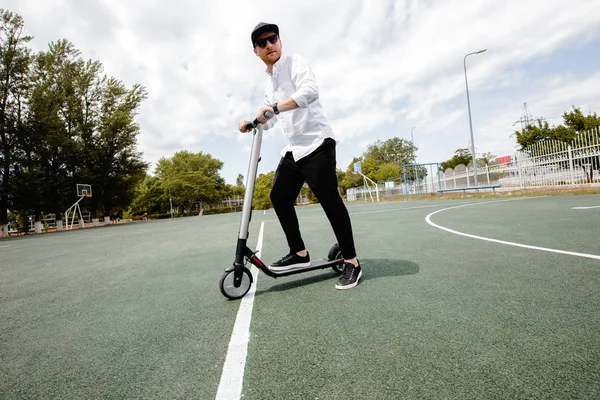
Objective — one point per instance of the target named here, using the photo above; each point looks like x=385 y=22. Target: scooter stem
x=250 y=181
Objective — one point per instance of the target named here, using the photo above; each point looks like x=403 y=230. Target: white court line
x=584 y=208
x=570 y=253
x=398 y=209
x=375 y=211
x=3 y=247
x=232 y=378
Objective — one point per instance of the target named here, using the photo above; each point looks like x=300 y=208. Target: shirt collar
x=276 y=67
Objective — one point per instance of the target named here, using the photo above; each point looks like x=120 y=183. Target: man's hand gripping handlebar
x=246 y=126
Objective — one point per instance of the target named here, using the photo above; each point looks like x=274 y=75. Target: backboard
x=84 y=190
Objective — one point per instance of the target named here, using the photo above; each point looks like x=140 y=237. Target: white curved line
x=526 y=246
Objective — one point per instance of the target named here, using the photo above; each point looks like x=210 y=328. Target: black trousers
x=318 y=171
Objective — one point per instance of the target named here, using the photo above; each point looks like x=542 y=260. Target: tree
x=118 y=166
x=14 y=67
x=50 y=147
x=238 y=190
x=231 y=191
x=239 y=182
x=191 y=177
x=307 y=192
x=392 y=151
x=574 y=122
x=532 y=134
x=388 y=171
x=348 y=179
x=370 y=167
x=81 y=130
x=461 y=156
x=487 y=159
x=578 y=122
x=262 y=191
x=150 y=197
x=62 y=123
x=383 y=160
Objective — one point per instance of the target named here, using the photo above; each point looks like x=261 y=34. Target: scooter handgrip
x=254 y=124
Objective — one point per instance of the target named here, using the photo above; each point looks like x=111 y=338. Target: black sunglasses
x=263 y=42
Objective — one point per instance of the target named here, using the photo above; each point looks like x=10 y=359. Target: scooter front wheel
x=227 y=287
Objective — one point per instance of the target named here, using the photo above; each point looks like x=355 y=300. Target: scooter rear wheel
x=335 y=254
x=229 y=290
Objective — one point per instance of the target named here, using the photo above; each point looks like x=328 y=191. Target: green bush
x=160 y=216
x=22 y=221
x=217 y=210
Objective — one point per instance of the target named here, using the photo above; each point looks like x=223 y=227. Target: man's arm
x=306 y=92
x=286 y=105
x=303 y=78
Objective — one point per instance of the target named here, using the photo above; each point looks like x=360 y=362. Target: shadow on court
x=372 y=269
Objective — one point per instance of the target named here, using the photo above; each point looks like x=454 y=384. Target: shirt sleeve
x=304 y=81
x=270 y=123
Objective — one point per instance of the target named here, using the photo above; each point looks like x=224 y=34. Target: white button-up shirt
x=306 y=127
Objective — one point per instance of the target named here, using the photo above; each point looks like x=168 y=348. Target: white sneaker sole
x=350 y=286
x=288 y=267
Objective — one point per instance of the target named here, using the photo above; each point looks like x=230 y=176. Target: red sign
x=503 y=160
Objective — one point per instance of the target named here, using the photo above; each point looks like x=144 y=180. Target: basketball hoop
x=83 y=190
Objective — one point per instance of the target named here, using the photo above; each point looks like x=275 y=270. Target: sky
x=382 y=67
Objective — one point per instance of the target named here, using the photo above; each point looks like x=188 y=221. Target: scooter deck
x=314 y=265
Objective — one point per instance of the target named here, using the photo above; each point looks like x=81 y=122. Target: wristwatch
x=274 y=107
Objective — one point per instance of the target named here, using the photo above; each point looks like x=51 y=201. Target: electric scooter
x=237 y=279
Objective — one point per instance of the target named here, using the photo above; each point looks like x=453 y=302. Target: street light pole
x=471 y=123
x=412 y=141
x=170 y=202
x=170 y=199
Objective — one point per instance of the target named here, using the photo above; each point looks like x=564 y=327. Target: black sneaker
x=350 y=276
x=290 y=261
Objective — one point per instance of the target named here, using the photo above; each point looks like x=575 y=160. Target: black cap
x=261 y=28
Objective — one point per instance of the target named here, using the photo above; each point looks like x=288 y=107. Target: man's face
x=271 y=52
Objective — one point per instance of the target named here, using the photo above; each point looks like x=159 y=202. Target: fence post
x=468 y=180
x=405 y=186
x=453 y=179
x=487 y=172
x=571 y=166
x=519 y=169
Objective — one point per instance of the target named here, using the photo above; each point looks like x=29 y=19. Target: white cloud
x=382 y=66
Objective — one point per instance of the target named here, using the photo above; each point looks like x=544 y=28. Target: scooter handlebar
x=254 y=124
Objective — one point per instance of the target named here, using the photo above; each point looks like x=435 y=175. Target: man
x=292 y=96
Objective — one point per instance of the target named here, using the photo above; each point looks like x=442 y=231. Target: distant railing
x=546 y=164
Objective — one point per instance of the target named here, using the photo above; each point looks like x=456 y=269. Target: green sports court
x=495 y=298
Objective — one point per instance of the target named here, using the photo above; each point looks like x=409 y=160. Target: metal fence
x=396 y=189
x=553 y=163
x=544 y=165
